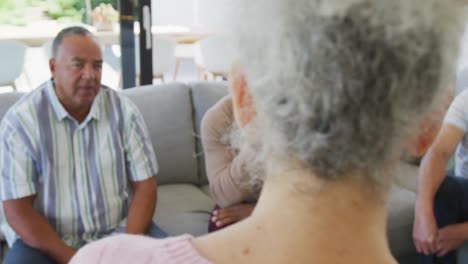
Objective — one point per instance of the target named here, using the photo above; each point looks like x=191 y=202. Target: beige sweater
x=224 y=169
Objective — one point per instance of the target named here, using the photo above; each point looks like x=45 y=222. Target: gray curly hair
x=337 y=84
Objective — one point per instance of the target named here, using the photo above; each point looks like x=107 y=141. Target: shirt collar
x=60 y=111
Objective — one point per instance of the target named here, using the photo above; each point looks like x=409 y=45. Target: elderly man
x=71 y=152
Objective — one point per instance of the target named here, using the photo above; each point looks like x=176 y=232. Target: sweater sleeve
x=224 y=169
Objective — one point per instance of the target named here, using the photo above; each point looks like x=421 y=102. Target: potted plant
x=104 y=16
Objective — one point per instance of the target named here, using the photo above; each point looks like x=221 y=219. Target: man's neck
x=307 y=221
x=79 y=114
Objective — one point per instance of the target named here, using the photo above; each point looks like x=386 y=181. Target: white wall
x=463 y=60
x=195 y=13
x=462 y=67
x=175 y=12
x=208 y=13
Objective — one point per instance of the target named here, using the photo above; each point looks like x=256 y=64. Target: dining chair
x=214 y=56
x=12 y=63
x=163 y=56
x=47 y=48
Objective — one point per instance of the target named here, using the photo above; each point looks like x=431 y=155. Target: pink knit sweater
x=139 y=249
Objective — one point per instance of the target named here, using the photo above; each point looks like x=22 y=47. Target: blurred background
x=180 y=29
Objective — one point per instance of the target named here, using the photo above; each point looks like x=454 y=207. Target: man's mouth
x=86 y=90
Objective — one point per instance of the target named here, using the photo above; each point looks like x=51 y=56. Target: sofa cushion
x=167 y=111
x=204 y=95
x=400 y=208
x=206 y=189
x=7 y=100
x=183 y=208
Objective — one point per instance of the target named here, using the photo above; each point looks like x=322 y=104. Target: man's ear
x=242 y=100
x=52 y=66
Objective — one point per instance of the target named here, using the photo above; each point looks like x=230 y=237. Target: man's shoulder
x=112 y=96
x=108 y=92
x=28 y=105
x=24 y=114
x=118 y=102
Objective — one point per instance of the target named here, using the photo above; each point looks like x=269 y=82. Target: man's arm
x=431 y=175
x=142 y=206
x=34 y=230
x=142 y=165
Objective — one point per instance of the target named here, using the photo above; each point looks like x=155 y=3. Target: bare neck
x=306 y=221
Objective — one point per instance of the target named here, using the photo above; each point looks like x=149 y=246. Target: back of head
x=69 y=31
x=338 y=83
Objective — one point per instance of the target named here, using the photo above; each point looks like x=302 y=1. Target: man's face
x=77 y=70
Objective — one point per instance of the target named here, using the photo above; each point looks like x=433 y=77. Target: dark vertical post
x=146 y=42
x=127 y=43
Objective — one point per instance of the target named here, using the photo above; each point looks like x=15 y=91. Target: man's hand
x=35 y=230
x=425 y=233
x=228 y=215
x=449 y=238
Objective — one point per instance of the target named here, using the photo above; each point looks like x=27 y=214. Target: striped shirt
x=79 y=172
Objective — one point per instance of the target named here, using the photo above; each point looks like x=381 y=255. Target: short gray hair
x=69 y=31
x=337 y=84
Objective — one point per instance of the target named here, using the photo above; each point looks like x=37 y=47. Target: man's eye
x=98 y=66
x=77 y=65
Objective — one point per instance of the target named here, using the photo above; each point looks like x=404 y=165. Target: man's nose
x=89 y=73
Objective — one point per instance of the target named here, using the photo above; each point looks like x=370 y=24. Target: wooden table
x=37 y=34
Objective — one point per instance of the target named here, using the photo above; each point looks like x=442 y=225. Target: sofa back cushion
x=204 y=95
x=7 y=100
x=167 y=111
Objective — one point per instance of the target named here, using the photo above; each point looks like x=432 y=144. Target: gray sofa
x=173 y=113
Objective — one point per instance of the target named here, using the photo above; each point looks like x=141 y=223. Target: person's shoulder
x=219 y=115
x=108 y=92
x=26 y=107
x=224 y=105
x=462 y=97
x=116 y=99
x=459 y=104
